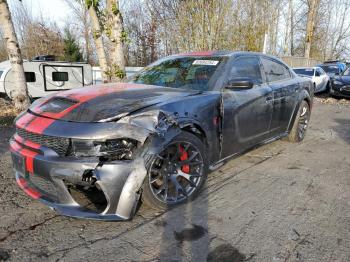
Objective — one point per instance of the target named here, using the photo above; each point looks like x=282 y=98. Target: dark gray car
x=94 y=152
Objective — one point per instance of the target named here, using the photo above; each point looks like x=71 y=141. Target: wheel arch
x=304 y=96
x=195 y=129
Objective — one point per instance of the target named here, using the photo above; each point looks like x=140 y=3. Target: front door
x=247 y=113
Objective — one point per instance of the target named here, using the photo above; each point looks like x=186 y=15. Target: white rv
x=45 y=77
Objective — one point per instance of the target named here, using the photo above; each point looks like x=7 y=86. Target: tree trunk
x=310 y=27
x=97 y=35
x=291 y=27
x=116 y=31
x=20 y=96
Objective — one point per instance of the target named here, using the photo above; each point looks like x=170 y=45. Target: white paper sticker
x=205 y=62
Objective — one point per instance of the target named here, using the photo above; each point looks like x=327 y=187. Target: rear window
x=304 y=71
x=330 y=69
x=30 y=77
x=60 y=76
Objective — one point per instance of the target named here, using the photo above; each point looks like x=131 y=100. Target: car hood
x=344 y=79
x=106 y=102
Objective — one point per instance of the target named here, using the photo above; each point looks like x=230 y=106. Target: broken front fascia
x=162 y=128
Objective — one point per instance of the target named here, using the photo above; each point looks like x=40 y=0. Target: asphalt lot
x=281 y=202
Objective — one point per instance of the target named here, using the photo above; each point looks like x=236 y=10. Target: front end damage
x=101 y=173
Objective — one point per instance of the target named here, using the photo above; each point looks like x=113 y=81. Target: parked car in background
x=333 y=68
x=341 y=85
x=318 y=77
x=156 y=136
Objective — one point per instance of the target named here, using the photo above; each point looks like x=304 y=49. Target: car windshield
x=304 y=71
x=1 y=73
x=194 y=73
x=347 y=72
x=330 y=69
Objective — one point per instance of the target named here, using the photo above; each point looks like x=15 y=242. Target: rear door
x=285 y=88
x=247 y=113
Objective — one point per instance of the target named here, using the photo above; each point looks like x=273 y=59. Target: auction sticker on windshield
x=205 y=62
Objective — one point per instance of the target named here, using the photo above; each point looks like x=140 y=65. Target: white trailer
x=45 y=77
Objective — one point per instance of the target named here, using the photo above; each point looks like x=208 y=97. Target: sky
x=56 y=10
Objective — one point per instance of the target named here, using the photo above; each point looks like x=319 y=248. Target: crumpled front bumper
x=43 y=175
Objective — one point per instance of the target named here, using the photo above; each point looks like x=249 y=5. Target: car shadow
x=185 y=232
x=343 y=129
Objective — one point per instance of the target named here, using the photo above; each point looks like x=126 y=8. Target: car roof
x=225 y=53
x=307 y=67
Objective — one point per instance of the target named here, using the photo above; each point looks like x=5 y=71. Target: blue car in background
x=333 y=68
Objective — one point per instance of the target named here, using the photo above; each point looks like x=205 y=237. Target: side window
x=246 y=67
x=30 y=77
x=274 y=70
x=59 y=76
x=319 y=72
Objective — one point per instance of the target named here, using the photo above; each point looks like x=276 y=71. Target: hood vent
x=57 y=104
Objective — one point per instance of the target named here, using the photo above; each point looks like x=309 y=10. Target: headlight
x=113 y=149
x=336 y=82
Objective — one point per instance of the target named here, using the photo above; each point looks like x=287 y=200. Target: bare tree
x=3 y=52
x=82 y=26
x=92 y=6
x=20 y=96
x=310 y=27
x=116 y=34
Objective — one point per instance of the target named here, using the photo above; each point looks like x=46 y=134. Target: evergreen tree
x=72 y=51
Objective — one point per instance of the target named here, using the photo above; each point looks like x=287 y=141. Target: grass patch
x=7 y=112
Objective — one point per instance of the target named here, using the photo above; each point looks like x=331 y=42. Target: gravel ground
x=281 y=202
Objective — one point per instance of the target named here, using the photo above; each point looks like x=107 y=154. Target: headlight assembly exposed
x=113 y=149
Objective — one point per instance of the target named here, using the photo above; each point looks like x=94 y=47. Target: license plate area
x=18 y=163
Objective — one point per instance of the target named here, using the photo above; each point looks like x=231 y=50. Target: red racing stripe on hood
x=39 y=124
x=25 y=120
x=82 y=95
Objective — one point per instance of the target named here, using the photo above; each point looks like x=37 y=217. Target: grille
x=58 y=144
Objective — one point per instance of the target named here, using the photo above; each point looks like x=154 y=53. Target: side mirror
x=317 y=74
x=239 y=84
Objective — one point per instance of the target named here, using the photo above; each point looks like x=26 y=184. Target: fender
x=303 y=95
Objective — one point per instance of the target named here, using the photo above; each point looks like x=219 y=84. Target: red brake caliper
x=184 y=156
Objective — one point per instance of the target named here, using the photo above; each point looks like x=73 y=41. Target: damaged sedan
x=97 y=152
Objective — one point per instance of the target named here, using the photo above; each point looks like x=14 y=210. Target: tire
x=184 y=182
x=328 y=88
x=297 y=134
